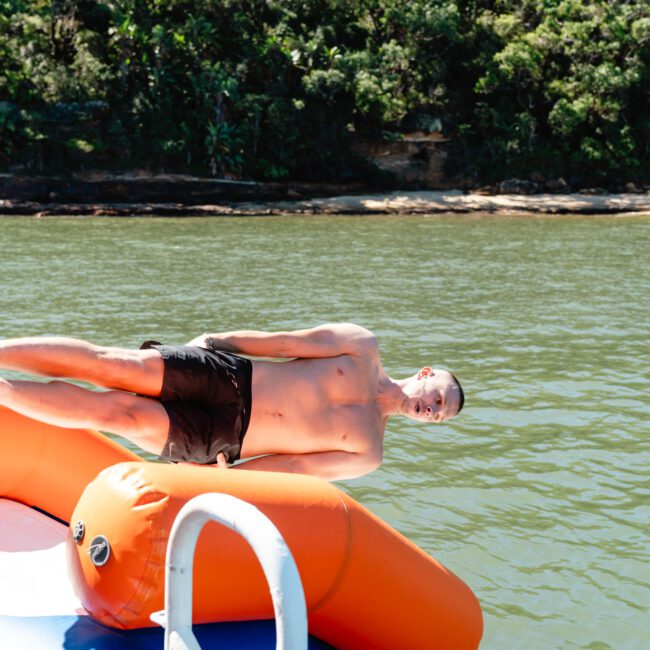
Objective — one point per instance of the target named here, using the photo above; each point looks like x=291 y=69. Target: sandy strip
x=395 y=203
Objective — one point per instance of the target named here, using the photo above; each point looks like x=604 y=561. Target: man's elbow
x=363 y=464
x=373 y=460
x=345 y=466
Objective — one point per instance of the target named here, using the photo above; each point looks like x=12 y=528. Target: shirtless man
x=321 y=412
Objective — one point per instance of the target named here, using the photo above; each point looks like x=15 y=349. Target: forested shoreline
x=281 y=90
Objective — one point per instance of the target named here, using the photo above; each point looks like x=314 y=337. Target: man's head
x=432 y=395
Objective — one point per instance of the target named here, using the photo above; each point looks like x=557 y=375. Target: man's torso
x=313 y=405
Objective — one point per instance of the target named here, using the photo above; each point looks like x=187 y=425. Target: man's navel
x=339 y=372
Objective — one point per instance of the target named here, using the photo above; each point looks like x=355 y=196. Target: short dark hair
x=461 y=394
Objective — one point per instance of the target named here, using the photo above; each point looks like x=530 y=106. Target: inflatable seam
x=338 y=579
x=145 y=583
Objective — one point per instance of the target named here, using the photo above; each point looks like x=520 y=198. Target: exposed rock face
x=417 y=160
x=593 y=191
x=632 y=188
x=518 y=186
x=557 y=185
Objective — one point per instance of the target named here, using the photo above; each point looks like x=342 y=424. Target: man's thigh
x=142 y=420
x=136 y=371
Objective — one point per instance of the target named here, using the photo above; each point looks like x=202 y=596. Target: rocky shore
x=164 y=195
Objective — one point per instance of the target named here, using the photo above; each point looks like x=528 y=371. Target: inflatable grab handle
x=271 y=550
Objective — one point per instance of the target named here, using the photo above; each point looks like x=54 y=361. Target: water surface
x=538 y=495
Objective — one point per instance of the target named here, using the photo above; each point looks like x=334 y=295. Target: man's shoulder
x=353 y=332
x=359 y=340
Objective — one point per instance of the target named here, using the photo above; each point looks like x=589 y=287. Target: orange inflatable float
x=49 y=467
x=366 y=586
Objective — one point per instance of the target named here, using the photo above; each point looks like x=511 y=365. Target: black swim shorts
x=207 y=396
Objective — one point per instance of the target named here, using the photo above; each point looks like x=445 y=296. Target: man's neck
x=390 y=396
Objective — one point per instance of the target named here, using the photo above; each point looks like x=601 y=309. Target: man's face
x=431 y=396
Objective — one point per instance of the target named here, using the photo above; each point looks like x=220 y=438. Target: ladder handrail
x=271 y=550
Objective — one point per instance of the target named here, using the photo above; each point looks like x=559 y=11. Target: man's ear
x=425 y=372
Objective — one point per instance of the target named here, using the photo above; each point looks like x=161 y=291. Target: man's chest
x=341 y=381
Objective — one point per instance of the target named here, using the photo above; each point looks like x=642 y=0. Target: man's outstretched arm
x=330 y=465
x=317 y=342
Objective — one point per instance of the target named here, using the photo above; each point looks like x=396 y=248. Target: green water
x=538 y=496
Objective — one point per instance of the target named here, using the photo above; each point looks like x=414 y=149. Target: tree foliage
x=276 y=89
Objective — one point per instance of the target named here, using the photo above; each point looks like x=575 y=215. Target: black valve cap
x=79 y=531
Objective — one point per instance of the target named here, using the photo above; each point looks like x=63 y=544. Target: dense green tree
x=565 y=88
x=276 y=89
